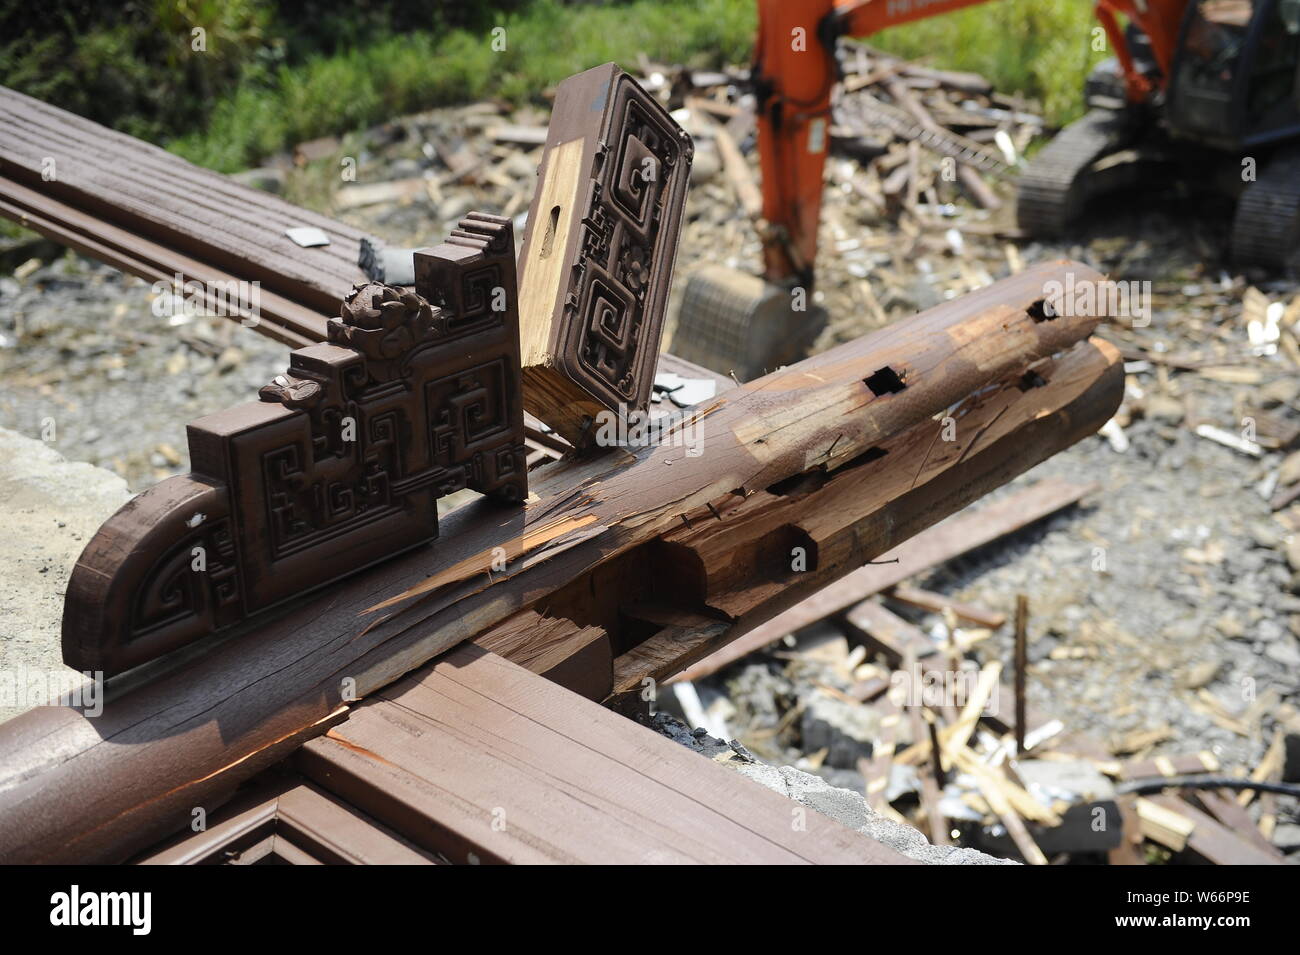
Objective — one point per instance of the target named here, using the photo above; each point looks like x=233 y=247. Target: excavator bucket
x=736 y=323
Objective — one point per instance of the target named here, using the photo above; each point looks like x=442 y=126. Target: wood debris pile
x=917 y=204
x=918 y=183
x=905 y=697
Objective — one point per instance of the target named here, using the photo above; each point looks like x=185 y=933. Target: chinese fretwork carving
x=338 y=466
x=598 y=254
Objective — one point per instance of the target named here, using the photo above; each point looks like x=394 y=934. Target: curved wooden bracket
x=338 y=466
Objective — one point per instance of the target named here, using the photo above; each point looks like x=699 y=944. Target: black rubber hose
x=1154 y=784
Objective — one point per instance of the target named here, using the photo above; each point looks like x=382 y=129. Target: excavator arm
x=741 y=323
x=794 y=73
x=795 y=70
x=733 y=321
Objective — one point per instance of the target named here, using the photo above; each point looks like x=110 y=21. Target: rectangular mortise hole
x=548 y=238
x=1031 y=379
x=886 y=381
x=1041 y=311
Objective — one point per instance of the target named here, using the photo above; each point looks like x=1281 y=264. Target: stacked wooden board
x=151 y=213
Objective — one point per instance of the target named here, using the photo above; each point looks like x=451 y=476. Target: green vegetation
x=391 y=75
x=1038 y=47
x=272 y=74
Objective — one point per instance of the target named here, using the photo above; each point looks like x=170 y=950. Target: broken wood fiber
x=866 y=617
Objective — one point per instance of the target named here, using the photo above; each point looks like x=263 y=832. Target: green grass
x=1041 y=48
x=279 y=73
x=1036 y=47
x=545 y=42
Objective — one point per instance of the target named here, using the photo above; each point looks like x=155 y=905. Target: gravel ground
x=90 y=368
x=1169 y=583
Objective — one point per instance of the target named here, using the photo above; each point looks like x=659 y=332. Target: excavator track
x=1054 y=186
x=1266 y=226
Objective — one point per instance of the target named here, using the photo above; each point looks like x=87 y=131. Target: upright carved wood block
x=337 y=467
x=598 y=253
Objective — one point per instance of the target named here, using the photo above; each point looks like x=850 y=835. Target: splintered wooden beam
x=576 y=657
x=841 y=455
x=682 y=637
x=598 y=253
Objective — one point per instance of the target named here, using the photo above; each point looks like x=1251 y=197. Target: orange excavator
x=1207 y=90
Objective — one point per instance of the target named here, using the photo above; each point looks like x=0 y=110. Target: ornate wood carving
x=599 y=250
x=339 y=465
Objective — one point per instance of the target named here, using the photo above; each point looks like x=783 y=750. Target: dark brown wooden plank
x=284 y=852
x=483 y=761
x=301 y=820
x=259 y=853
x=246 y=821
x=1234 y=817
x=335 y=833
x=159 y=196
x=279 y=318
x=885 y=632
x=938 y=603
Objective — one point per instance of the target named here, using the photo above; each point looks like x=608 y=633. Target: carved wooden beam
x=598 y=253
x=339 y=465
x=805 y=445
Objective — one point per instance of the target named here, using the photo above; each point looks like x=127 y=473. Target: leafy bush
x=1041 y=48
